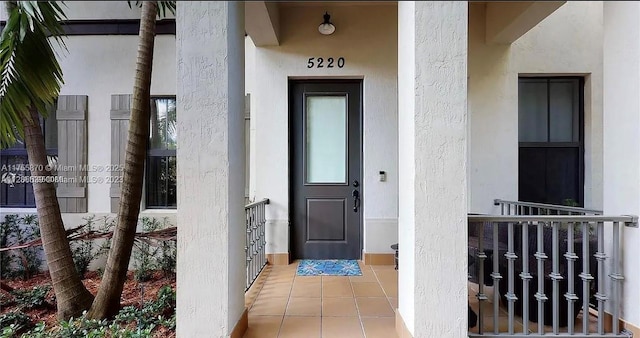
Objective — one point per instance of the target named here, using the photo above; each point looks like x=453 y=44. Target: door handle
x=356 y=200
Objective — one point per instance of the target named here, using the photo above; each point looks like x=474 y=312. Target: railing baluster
x=616 y=277
x=600 y=295
x=255 y=244
x=496 y=279
x=560 y=256
x=526 y=278
x=555 y=275
x=481 y=296
x=585 y=276
x=511 y=257
x=571 y=296
x=540 y=296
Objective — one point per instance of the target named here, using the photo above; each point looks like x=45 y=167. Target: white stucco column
x=210 y=105
x=621 y=69
x=432 y=99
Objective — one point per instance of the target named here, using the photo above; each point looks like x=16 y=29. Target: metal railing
x=529 y=208
x=537 y=273
x=256 y=258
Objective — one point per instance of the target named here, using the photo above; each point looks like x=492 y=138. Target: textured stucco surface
x=210 y=90
x=622 y=137
x=366 y=36
x=433 y=126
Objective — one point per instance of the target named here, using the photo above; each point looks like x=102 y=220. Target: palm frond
x=31 y=74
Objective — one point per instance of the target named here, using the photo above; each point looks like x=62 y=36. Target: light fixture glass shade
x=326 y=27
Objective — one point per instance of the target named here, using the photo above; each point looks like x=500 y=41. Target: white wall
x=568 y=42
x=433 y=126
x=366 y=36
x=99 y=66
x=406 y=129
x=622 y=137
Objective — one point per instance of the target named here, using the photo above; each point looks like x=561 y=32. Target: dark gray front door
x=326 y=152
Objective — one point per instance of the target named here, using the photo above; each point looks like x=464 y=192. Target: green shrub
x=145 y=251
x=151 y=314
x=83 y=250
x=25 y=262
x=14 y=322
x=32 y=299
x=168 y=258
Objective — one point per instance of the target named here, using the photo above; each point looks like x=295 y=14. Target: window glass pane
x=161 y=181
x=532 y=111
x=326 y=140
x=158 y=129
x=172 y=134
x=156 y=185
x=13 y=193
x=162 y=132
x=563 y=107
x=172 y=200
x=51 y=131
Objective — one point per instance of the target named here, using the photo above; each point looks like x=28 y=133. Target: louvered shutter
x=71 y=116
x=120 y=113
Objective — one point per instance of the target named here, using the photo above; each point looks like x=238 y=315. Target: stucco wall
x=568 y=42
x=366 y=36
x=99 y=66
x=622 y=137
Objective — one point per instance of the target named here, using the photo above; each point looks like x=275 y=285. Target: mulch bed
x=131 y=294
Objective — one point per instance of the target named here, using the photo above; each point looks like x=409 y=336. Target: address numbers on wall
x=325 y=63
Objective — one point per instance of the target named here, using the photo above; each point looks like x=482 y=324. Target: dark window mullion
x=548 y=110
x=166 y=181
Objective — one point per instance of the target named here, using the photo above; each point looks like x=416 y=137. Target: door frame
x=291 y=81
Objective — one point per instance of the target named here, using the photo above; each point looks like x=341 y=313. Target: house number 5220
x=325 y=63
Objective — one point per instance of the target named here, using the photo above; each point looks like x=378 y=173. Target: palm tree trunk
x=107 y=302
x=71 y=296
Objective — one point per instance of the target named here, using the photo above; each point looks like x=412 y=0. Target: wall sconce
x=326 y=27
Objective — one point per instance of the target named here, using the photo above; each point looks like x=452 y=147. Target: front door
x=326 y=152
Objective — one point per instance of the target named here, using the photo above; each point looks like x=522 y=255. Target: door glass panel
x=326 y=139
x=532 y=102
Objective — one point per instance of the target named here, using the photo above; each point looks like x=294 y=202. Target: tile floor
x=282 y=304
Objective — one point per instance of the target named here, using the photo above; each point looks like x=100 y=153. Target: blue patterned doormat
x=328 y=267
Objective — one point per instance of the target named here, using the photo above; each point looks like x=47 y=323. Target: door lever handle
x=356 y=200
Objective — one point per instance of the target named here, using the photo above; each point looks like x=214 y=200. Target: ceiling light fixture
x=326 y=27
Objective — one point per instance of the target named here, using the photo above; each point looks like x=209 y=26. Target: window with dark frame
x=551 y=140
x=20 y=195
x=160 y=180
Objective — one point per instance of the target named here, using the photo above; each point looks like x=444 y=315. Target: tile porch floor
x=282 y=304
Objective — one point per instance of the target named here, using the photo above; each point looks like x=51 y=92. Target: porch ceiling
x=262 y=18
x=262 y=22
x=506 y=22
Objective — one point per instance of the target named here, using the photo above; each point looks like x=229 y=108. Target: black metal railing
x=534 y=268
x=256 y=258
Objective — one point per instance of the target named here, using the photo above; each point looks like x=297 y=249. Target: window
x=20 y=195
x=161 y=155
x=551 y=152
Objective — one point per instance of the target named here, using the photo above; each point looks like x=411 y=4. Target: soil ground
x=132 y=294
